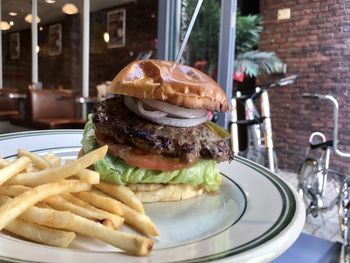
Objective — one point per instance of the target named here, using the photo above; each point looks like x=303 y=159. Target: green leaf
x=116 y=171
x=255 y=63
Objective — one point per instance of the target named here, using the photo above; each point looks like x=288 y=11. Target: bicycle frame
x=317 y=190
x=265 y=113
x=335 y=105
x=251 y=113
x=259 y=143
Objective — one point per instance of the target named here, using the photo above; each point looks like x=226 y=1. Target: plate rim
x=275 y=228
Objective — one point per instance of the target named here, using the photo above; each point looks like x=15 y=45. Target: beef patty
x=112 y=119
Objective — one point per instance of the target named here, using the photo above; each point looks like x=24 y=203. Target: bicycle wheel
x=307 y=173
x=344 y=211
x=306 y=183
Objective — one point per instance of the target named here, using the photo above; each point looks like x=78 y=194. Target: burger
x=160 y=142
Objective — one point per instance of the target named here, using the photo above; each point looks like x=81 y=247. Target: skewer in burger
x=161 y=144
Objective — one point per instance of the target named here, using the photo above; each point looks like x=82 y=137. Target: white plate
x=254 y=217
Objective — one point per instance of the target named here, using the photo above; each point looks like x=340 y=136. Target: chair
x=45 y=110
x=8 y=107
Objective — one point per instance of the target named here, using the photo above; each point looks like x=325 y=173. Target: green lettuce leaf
x=115 y=170
x=89 y=142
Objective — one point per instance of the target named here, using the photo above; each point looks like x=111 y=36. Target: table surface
x=311 y=249
x=81 y=99
x=13 y=95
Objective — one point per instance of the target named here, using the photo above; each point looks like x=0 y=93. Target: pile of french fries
x=47 y=201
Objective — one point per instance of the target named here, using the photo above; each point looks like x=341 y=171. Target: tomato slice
x=139 y=158
x=145 y=160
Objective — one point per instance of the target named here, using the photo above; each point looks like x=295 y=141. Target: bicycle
x=259 y=129
x=314 y=174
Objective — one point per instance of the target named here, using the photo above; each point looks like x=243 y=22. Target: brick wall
x=315 y=43
x=64 y=70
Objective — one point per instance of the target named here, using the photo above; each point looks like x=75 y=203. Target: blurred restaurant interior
x=39 y=79
x=77 y=53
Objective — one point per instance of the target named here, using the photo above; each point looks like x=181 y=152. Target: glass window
x=203 y=45
x=120 y=31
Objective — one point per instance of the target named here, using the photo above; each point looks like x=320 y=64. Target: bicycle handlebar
x=279 y=83
x=335 y=105
x=311 y=96
x=259 y=89
x=287 y=81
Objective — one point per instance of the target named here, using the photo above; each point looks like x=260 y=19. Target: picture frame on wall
x=55 y=40
x=116 y=22
x=15 y=46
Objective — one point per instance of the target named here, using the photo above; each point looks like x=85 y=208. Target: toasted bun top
x=170 y=82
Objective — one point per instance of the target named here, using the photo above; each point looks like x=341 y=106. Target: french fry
x=40 y=234
x=13 y=168
x=58 y=173
x=3 y=163
x=31 y=168
x=102 y=202
x=65 y=220
x=107 y=223
x=104 y=214
x=20 y=203
x=53 y=159
x=12 y=190
x=4 y=199
x=89 y=176
x=59 y=203
x=33 y=186
x=139 y=221
x=38 y=162
x=43 y=205
x=123 y=194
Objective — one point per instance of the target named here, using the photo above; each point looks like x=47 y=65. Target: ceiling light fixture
x=37 y=49
x=41 y=28
x=70 y=9
x=29 y=18
x=4 y=25
x=13 y=13
x=50 y=1
x=106 y=37
x=12 y=23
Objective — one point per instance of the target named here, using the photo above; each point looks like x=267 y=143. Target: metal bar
x=234 y=127
x=163 y=29
x=188 y=32
x=176 y=33
x=168 y=28
x=1 y=74
x=34 y=42
x=85 y=53
x=226 y=51
x=86 y=43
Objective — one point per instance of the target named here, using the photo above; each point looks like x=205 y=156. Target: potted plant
x=204 y=42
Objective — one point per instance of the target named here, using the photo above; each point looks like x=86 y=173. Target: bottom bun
x=148 y=193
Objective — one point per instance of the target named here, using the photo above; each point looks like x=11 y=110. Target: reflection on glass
x=28 y=18
x=202 y=48
x=70 y=9
x=120 y=32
